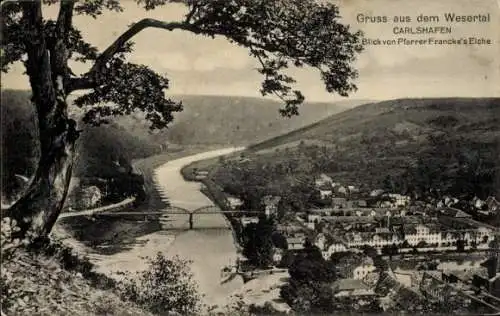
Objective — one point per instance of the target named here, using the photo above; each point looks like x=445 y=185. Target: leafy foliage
x=94 y=7
x=166 y=286
x=53 y=278
x=257 y=243
x=309 y=287
x=280 y=34
x=284 y=33
x=131 y=87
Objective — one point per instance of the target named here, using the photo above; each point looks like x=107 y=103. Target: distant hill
x=228 y=120
x=398 y=118
x=206 y=120
x=443 y=143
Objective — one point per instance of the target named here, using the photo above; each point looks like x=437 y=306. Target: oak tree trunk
x=37 y=211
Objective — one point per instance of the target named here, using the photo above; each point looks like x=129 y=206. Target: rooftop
x=349 y=285
x=454 y=212
x=295 y=240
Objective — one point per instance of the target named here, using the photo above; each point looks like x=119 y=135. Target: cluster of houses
x=489 y=207
x=464 y=284
x=353 y=220
x=349 y=196
x=406 y=235
x=354 y=214
x=350 y=223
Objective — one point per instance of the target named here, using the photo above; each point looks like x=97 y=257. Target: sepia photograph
x=250 y=157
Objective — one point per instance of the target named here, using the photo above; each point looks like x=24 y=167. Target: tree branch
x=132 y=31
x=82 y=83
x=59 y=53
x=192 y=12
x=90 y=79
x=261 y=61
x=65 y=17
x=59 y=49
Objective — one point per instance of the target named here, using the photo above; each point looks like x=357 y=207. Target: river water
x=210 y=244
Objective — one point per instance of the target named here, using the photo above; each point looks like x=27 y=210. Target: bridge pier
x=190 y=220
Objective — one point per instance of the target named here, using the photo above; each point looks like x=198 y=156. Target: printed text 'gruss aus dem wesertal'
x=422 y=18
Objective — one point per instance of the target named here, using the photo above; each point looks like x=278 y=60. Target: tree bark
x=37 y=211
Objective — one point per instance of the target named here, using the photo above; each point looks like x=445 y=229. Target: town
x=391 y=249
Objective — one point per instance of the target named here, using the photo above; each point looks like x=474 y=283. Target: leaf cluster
x=279 y=34
x=165 y=287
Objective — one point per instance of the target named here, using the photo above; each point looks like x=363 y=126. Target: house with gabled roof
x=351 y=287
x=333 y=244
x=428 y=233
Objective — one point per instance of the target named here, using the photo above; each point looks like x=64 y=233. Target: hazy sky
x=199 y=65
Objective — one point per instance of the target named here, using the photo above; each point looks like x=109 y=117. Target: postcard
x=250 y=157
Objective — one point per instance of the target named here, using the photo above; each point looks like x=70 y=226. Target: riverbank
x=215 y=194
x=112 y=235
x=261 y=290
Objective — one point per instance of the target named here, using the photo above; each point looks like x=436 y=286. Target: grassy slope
x=373 y=140
x=394 y=117
x=36 y=284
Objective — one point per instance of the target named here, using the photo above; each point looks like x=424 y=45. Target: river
x=210 y=246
